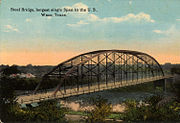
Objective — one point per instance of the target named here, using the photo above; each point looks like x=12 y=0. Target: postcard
x=89 y=60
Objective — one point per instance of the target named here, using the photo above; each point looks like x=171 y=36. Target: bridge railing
x=47 y=95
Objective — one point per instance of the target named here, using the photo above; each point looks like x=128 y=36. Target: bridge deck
x=31 y=98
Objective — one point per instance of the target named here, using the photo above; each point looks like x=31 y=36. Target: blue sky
x=151 y=26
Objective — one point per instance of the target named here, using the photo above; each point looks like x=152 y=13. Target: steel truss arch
x=104 y=66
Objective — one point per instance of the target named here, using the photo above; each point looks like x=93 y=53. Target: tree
x=176 y=83
x=102 y=109
x=11 y=70
x=7 y=97
x=11 y=111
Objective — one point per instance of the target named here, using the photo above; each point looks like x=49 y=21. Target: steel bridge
x=97 y=71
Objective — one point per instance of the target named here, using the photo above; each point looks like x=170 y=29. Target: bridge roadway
x=32 y=98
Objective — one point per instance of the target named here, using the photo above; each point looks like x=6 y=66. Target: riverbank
x=79 y=105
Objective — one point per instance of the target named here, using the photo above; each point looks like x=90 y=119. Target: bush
x=130 y=103
x=102 y=109
x=7 y=97
x=46 y=112
x=152 y=112
x=11 y=111
x=153 y=100
x=11 y=70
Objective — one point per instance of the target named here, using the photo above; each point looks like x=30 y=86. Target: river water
x=82 y=102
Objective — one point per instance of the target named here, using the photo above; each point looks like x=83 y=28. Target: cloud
x=158 y=31
x=89 y=17
x=80 y=5
x=49 y=17
x=127 y=18
x=170 y=31
x=78 y=24
x=11 y=28
x=130 y=17
x=28 y=20
x=130 y=2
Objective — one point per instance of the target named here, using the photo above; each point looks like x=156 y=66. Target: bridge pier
x=160 y=83
x=163 y=83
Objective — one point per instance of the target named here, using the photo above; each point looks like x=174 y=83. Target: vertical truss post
x=82 y=75
x=77 y=78
x=98 y=73
x=149 y=69
x=142 y=70
x=88 y=76
x=118 y=67
x=124 y=75
x=121 y=69
x=72 y=77
x=59 y=72
x=152 y=69
x=114 y=67
x=106 y=68
x=91 y=70
x=137 y=69
x=126 y=67
x=156 y=71
x=129 y=70
x=71 y=63
x=145 y=69
x=60 y=75
x=64 y=81
x=132 y=68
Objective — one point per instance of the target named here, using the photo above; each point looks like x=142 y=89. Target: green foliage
x=30 y=83
x=7 y=96
x=130 y=103
x=11 y=111
x=49 y=83
x=26 y=83
x=175 y=70
x=46 y=112
x=153 y=100
x=7 y=93
x=49 y=111
x=19 y=83
x=11 y=70
x=76 y=113
x=116 y=116
x=177 y=90
x=102 y=109
x=152 y=112
x=158 y=90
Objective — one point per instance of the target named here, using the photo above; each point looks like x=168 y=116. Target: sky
x=149 y=26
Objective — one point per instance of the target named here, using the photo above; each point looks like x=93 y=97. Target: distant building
x=22 y=75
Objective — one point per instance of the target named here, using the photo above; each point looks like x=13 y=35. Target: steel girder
x=104 y=66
